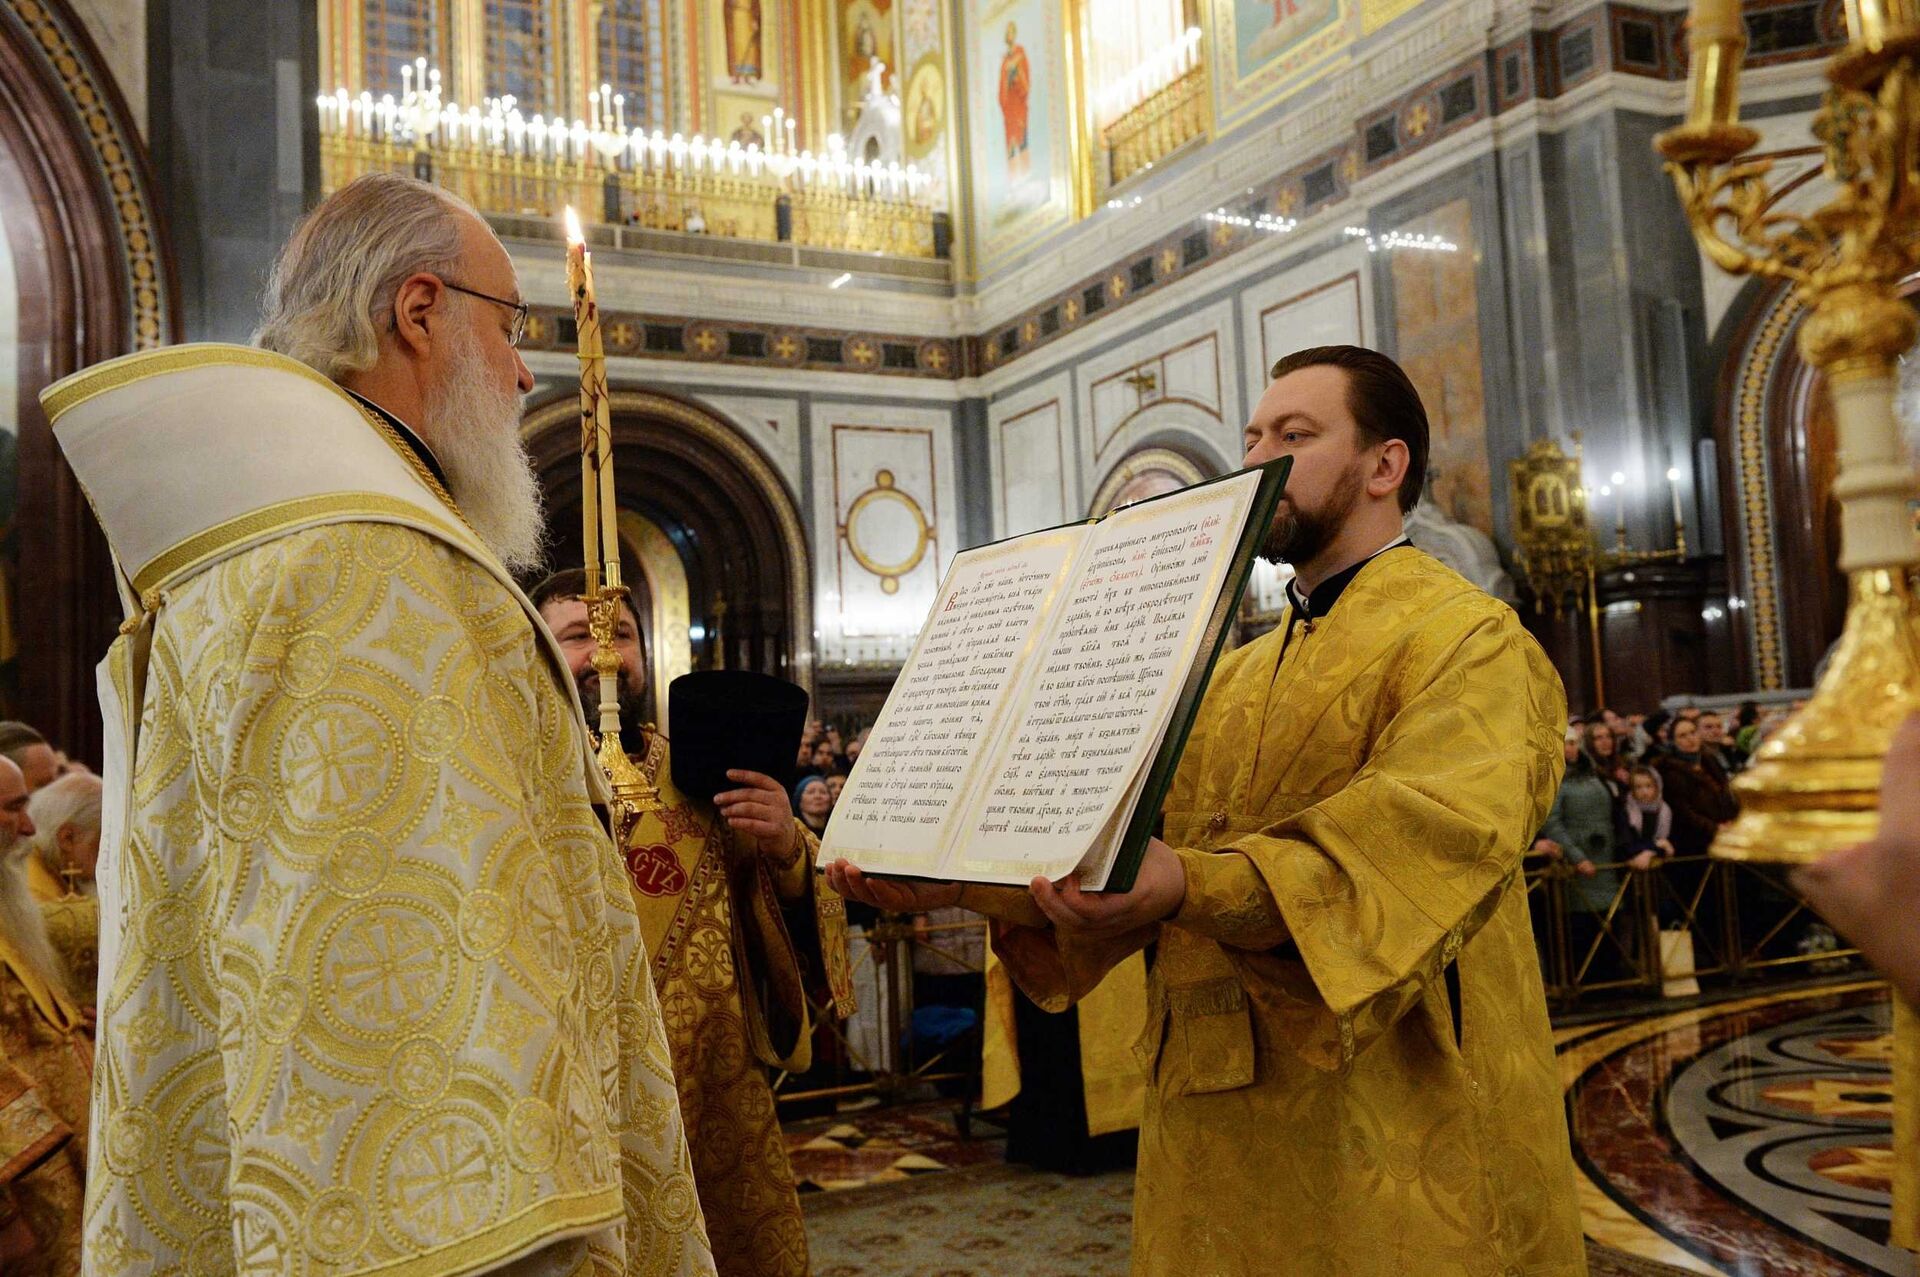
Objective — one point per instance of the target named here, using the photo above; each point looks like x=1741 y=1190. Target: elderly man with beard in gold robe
x=374 y=997
x=1349 y=1068
x=44 y=1039
x=745 y=940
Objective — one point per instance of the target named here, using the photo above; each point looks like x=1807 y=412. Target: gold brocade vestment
x=741 y=950
x=41 y=1166
x=1351 y=811
x=373 y=994
x=42 y=1036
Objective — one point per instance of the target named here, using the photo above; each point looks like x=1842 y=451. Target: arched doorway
x=90 y=278
x=689 y=482
x=1149 y=471
x=1773 y=424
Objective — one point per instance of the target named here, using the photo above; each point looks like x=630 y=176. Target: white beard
x=475 y=433
x=21 y=921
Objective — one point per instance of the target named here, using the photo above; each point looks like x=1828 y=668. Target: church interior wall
x=1034 y=463
x=1522 y=133
x=119 y=31
x=230 y=85
x=885 y=524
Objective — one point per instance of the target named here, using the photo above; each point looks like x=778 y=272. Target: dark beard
x=635 y=707
x=1298 y=536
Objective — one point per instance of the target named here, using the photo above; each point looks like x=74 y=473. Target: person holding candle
x=373 y=957
x=735 y=875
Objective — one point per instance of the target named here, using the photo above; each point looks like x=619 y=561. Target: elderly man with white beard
x=374 y=994
x=46 y=1066
x=60 y=874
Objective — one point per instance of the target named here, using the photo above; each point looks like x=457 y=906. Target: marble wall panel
x=1323 y=302
x=1437 y=322
x=770 y=424
x=1036 y=484
x=1170 y=377
x=885 y=524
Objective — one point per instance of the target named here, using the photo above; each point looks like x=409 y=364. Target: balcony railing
x=503 y=164
x=1159 y=124
x=1741 y=923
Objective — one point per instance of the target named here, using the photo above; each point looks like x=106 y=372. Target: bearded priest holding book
x=373 y=994
x=742 y=932
x=1348 y=1062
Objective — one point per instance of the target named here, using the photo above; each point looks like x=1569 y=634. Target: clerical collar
x=414 y=442
x=1311 y=607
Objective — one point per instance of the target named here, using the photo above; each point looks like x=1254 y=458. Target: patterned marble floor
x=1751 y=1137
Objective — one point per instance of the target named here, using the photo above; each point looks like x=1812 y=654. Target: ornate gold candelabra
x=503 y=162
x=1814 y=787
x=633 y=793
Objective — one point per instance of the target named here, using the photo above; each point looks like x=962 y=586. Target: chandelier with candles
x=422 y=118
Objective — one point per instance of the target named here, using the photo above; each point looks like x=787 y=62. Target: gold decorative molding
x=670 y=653
x=1136 y=463
x=116 y=151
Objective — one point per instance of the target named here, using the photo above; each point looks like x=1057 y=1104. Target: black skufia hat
x=724 y=719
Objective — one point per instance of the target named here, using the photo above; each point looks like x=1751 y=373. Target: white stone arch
x=1185 y=424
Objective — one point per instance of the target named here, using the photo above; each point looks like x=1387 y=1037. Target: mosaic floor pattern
x=1750 y=1138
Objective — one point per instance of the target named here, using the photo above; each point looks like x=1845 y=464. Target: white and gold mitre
x=192 y=454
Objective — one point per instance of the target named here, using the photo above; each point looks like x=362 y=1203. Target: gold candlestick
x=633 y=793
x=1814 y=787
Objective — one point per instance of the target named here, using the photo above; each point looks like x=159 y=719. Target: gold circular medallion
x=486 y=923
x=133 y=1141
x=886 y=531
x=533 y=1134
x=337 y=1225
x=419 y=1072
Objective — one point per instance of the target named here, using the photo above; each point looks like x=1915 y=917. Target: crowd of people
x=825 y=760
x=49 y=965
x=1642 y=790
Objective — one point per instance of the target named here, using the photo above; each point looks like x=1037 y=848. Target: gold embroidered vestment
x=742 y=951
x=1351 y=811
x=373 y=993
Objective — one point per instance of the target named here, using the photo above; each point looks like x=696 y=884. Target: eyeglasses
x=520 y=309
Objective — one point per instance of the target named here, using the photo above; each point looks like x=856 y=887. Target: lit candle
x=1673 y=486
x=1620 y=506
x=596 y=439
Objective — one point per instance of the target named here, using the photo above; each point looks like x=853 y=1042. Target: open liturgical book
x=1036 y=726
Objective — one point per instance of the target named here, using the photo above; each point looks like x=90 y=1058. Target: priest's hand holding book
x=1159 y=889
x=1022 y=758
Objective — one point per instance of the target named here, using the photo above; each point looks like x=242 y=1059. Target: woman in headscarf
x=1603 y=750
x=1583 y=827
x=813 y=802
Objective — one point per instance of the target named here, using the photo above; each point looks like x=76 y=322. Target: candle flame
x=574 y=234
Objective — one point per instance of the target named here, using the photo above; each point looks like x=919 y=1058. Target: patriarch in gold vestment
x=1348 y=1064
x=746 y=941
x=373 y=995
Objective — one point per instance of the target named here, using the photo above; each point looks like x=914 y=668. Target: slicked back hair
x=1382 y=400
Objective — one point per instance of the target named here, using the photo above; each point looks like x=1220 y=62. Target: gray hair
x=22 y=922
x=338 y=275
x=71 y=800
